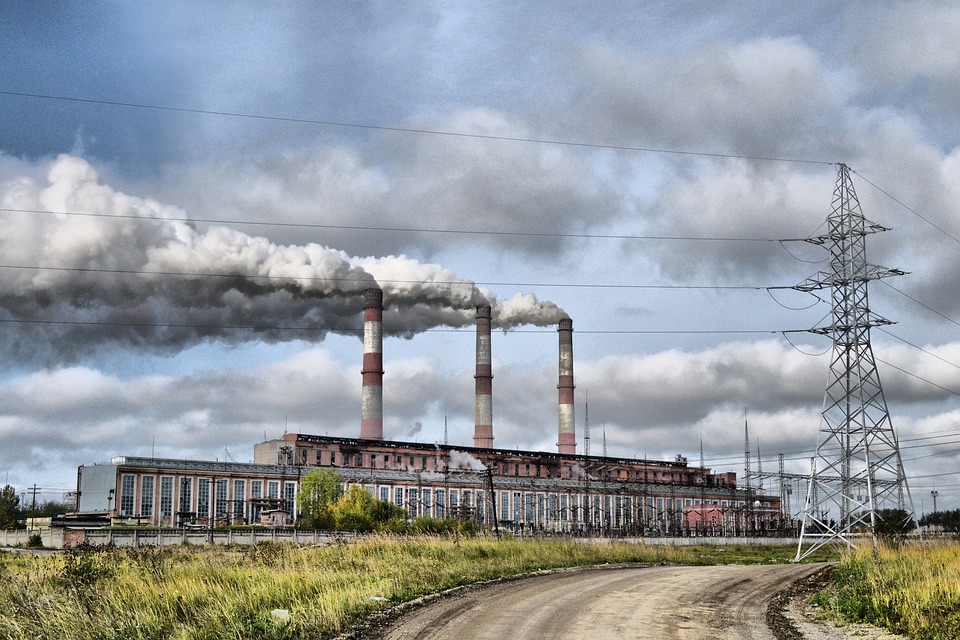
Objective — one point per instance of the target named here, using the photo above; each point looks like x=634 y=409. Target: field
x=216 y=593
x=913 y=590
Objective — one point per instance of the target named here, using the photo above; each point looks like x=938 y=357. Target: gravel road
x=662 y=602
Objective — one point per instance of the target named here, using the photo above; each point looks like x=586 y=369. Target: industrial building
x=563 y=492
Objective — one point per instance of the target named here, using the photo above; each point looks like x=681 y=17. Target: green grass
x=914 y=590
x=215 y=593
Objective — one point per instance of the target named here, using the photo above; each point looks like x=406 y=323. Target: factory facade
x=561 y=492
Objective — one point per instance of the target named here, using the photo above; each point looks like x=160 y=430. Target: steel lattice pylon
x=857 y=470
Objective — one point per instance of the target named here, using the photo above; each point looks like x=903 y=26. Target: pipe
x=566 y=431
x=371 y=395
x=483 y=423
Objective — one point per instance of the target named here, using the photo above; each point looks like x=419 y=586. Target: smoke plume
x=461 y=460
x=89 y=267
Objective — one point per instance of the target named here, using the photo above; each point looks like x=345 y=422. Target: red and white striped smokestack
x=371 y=395
x=567 y=436
x=483 y=424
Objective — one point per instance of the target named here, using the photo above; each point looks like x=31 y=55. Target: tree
x=319 y=492
x=9 y=508
x=52 y=509
x=354 y=510
x=358 y=511
x=893 y=524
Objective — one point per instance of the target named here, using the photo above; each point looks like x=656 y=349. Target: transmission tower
x=856 y=472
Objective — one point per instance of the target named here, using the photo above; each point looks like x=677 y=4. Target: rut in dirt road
x=662 y=602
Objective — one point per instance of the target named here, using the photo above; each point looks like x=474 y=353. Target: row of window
x=201 y=498
x=326 y=457
x=230 y=498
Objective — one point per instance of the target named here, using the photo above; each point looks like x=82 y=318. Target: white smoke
x=123 y=270
x=463 y=461
x=525 y=308
x=414 y=429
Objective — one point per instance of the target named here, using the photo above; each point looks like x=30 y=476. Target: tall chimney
x=483 y=424
x=566 y=435
x=371 y=395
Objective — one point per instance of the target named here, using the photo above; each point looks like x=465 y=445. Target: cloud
x=767 y=97
x=404 y=180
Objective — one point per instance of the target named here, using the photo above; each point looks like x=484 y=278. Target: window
x=239 y=499
x=273 y=489
x=440 y=503
x=147 y=486
x=290 y=496
x=203 y=497
x=481 y=507
x=504 y=505
x=127 y=488
x=385 y=494
x=186 y=497
x=221 y=506
x=319 y=457
x=166 y=497
x=425 y=501
x=398 y=496
x=256 y=491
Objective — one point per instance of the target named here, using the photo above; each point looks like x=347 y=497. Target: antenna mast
x=857 y=470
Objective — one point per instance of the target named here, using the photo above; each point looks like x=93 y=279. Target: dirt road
x=663 y=602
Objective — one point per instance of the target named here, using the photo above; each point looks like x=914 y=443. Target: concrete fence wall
x=701 y=541
x=52 y=538
x=66 y=538
x=172 y=537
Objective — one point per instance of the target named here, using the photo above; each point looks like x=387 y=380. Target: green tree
x=319 y=492
x=893 y=524
x=52 y=509
x=354 y=510
x=9 y=508
x=358 y=511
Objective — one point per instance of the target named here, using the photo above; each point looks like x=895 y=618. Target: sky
x=194 y=197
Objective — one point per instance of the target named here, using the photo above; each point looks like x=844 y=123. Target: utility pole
x=33 y=504
x=857 y=469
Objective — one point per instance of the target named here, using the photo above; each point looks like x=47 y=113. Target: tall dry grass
x=216 y=593
x=913 y=590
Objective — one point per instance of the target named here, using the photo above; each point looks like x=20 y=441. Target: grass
x=914 y=590
x=214 y=593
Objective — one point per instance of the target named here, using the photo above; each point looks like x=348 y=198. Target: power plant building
x=533 y=491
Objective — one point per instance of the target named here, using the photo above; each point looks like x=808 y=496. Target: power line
x=348 y=227
x=410 y=130
x=908 y=208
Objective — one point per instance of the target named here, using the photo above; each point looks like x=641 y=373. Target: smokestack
x=567 y=437
x=371 y=396
x=483 y=424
